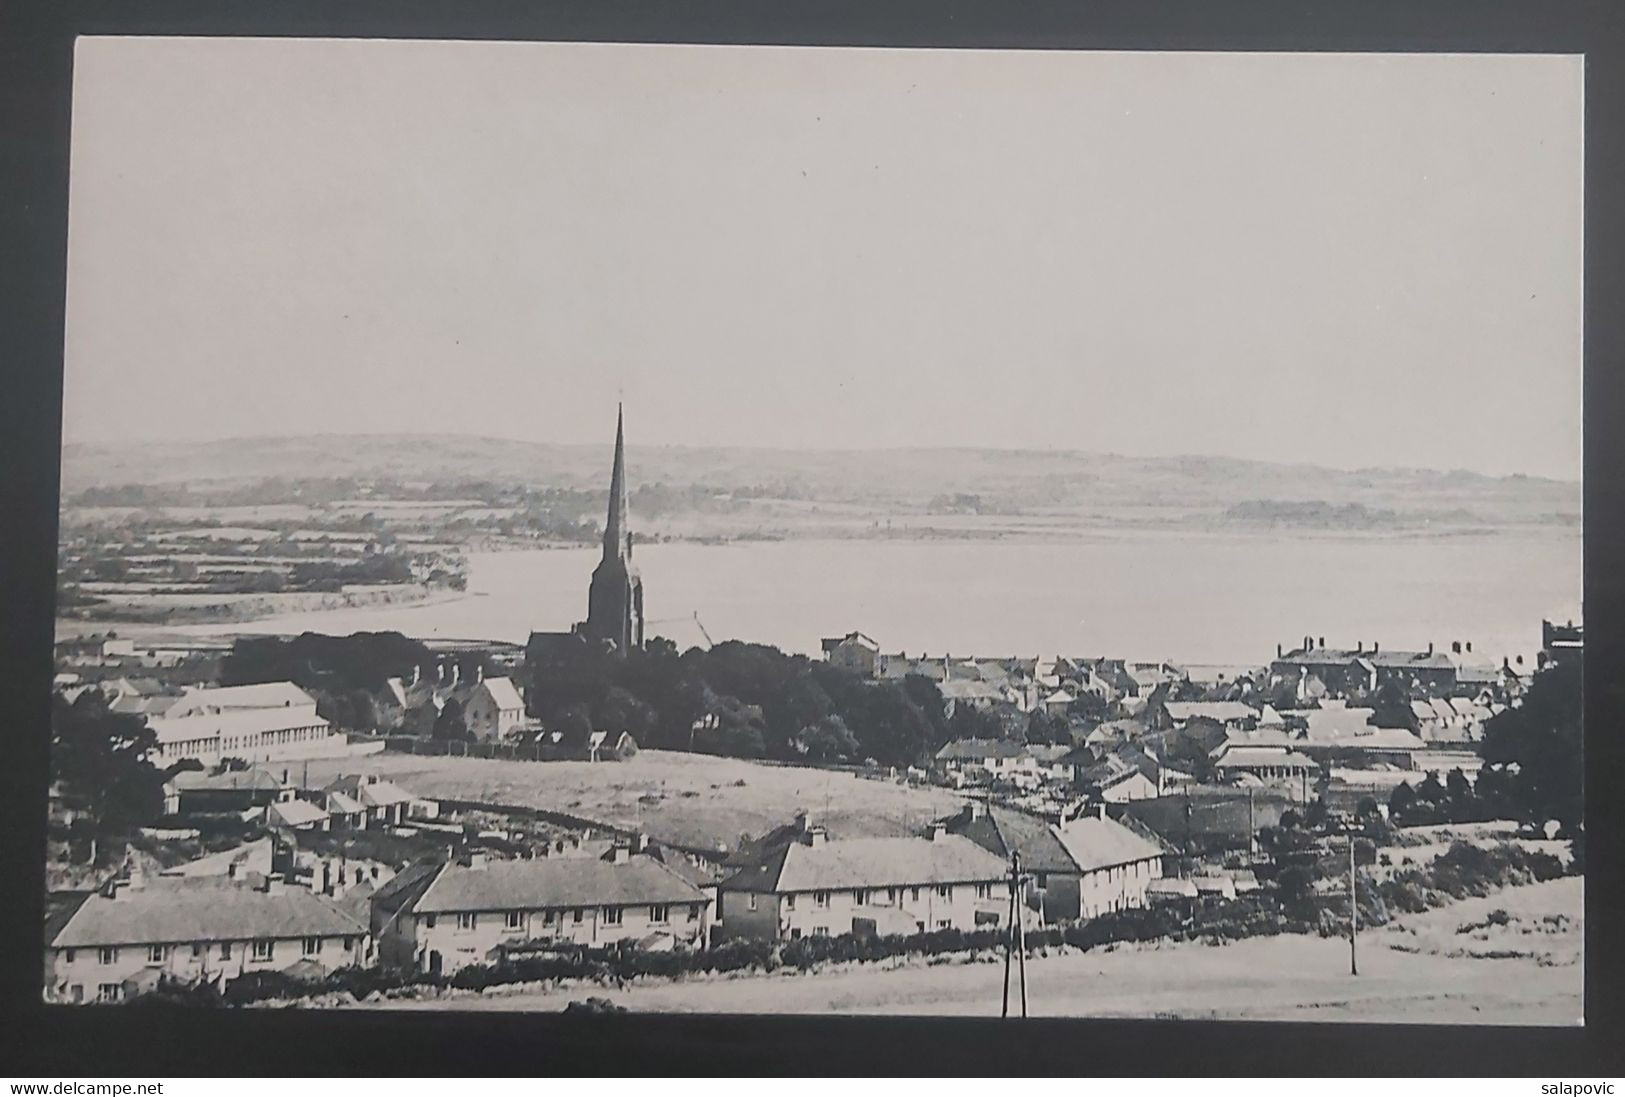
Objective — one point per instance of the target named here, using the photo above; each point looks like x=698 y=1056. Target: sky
x=1349 y=260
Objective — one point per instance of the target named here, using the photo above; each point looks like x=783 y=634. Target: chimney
x=478 y=860
x=274 y=884
x=975 y=809
x=622 y=854
x=803 y=821
x=1455 y=647
x=640 y=842
x=815 y=836
x=1520 y=660
x=440 y=673
x=938 y=832
x=1359 y=647
x=1100 y=810
x=1322 y=642
x=479 y=673
x=456 y=674
x=1430 y=648
x=1374 y=648
x=1506 y=664
x=1279 y=650
x=231 y=871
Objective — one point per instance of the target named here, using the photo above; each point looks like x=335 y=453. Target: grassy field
x=1432 y=969
x=688 y=799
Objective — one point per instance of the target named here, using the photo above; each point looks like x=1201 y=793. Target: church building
x=615 y=596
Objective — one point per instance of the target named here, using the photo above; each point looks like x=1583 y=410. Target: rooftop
x=1096 y=843
x=556 y=882
x=203 y=908
x=868 y=863
x=975 y=750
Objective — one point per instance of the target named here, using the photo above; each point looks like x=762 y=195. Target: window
x=820 y=931
x=1043 y=880
x=659 y=913
x=198 y=949
x=515 y=920
x=67 y=956
x=914 y=895
x=943 y=923
x=820 y=898
x=467 y=921
x=311 y=946
x=860 y=897
x=795 y=934
x=694 y=912
x=107 y=955
x=945 y=891
x=349 y=943
x=428 y=921
x=789 y=902
x=984 y=891
x=264 y=950
x=157 y=954
x=612 y=916
x=547 y=917
x=109 y=992
x=750 y=900
x=225 y=950
x=576 y=915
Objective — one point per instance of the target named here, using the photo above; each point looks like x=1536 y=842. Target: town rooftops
x=1002 y=832
x=830 y=643
x=1375 y=656
x=979 y=750
x=370 y=790
x=232 y=698
x=555 y=882
x=1095 y=843
x=869 y=863
x=503 y=693
x=203 y=908
x=253 y=779
x=173 y=727
x=1223 y=711
x=294 y=813
x=1249 y=757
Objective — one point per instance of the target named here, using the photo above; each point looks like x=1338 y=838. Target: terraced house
x=812 y=886
x=441 y=917
x=202 y=928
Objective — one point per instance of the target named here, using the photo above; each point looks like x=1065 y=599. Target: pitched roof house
x=196 y=928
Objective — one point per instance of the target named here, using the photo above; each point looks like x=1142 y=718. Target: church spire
x=617 y=537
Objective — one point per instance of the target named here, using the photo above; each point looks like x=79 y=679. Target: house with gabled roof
x=438 y=917
x=814 y=886
x=1000 y=758
x=195 y=928
x=492 y=708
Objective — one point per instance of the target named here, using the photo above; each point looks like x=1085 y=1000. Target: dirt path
x=1429 y=978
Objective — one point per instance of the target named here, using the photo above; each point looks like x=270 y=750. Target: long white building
x=271 y=722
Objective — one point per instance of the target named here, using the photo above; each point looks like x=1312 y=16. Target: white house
x=815 y=887
x=442 y=917
x=196 y=928
x=493 y=708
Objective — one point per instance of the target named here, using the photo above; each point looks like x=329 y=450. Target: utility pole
x=1015 y=940
x=1354 y=908
x=1021 y=932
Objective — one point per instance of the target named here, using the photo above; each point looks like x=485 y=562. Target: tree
x=1541 y=736
x=451 y=723
x=102 y=759
x=1401 y=802
x=1463 y=805
x=827 y=740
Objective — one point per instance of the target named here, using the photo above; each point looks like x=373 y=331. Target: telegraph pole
x=1009 y=940
x=1021 y=933
x=1354 y=908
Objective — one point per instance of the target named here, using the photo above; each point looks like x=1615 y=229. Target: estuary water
x=1205 y=597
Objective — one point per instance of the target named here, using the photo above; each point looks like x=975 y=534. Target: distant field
x=688 y=799
x=1431 y=977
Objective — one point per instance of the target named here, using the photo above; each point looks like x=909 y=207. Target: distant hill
x=1062 y=483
